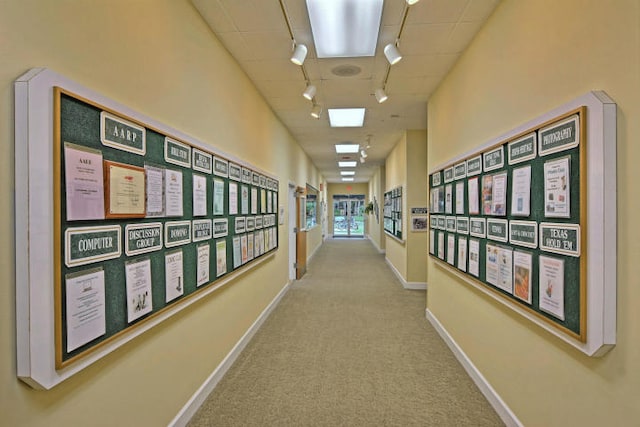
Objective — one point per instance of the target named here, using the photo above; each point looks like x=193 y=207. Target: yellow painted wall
x=159 y=58
x=531 y=57
x=406 y=167
x=416 y=195
x=396 y=176
x=375 y=227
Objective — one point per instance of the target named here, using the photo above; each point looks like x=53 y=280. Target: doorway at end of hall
x=348 y=215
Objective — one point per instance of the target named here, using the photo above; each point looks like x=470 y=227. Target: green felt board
x=393 y=219
x=80 y=125
x=572 y=291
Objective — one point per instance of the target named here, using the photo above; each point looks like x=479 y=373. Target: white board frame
x=601 y=221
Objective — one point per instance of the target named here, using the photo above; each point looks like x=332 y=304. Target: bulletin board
x=392 y=213
x=143 y=221
x=512 y=219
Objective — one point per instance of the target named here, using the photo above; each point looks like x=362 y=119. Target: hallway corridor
x=347 y=346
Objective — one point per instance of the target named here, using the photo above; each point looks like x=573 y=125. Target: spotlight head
x=392 y=53
x=361 y=159
x=381 y=96
x=364 y=154
x=299 y=54
x=309 y=92
x=412 y=2
x=315 y=111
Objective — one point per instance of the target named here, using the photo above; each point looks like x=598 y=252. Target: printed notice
x=521 y=192
x=244 y=195
x=221 y=257
x=522 y=270
x=138 y=278
x=441 y=245
x=556 y=188
x=448 y=208
x=218 y=197
x=237 y=255
x=462 y=253
x=492 y=269
x=199 y=195
x=460 y=198
x=174 y=275
x=203 y=265
x=472 y=190
x=451 y=248
x=233 y=198
x=155 y=191
x=474 y=257
x=254 y=201
x=84 y=183
x=173 y=192
x=85 y=307
x=551 y=286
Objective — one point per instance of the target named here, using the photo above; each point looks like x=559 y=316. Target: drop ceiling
x=435 y=34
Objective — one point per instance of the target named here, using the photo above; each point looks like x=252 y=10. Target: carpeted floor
x=347 y=346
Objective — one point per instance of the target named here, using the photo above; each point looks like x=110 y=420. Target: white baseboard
x=507 y=416
x=373 y=242
x=418 y=286
x=198 y=398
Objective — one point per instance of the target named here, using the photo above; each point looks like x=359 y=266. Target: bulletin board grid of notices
x=143 y=220
x=512 y=218
x=392 y=212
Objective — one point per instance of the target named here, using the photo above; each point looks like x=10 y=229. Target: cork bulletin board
x=136 y=222
x=522 y=219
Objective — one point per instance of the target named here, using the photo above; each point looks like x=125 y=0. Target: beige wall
x=406 y=167
x=375 y=228
x=416 y=195
x=159 y=58
x=531 y=57
x=396 y=176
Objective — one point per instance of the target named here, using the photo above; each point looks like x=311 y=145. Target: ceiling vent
x=346 y=70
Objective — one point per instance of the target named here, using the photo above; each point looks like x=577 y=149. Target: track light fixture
x=299 y=54
x=381 y=95
x=363 y=154
x=392 y=53
x=309 y=92
x=412 y=2
x=362 y=160
x=316 y=110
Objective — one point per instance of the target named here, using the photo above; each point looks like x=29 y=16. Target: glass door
x=348 y=215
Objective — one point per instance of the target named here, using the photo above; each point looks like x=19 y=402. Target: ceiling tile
x=215 y=15
x=255 y=15
x=436 y=11
x=461 y=36
x=479 y=10
x=421 y=39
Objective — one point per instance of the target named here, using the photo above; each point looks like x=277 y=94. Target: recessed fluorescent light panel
x=347 y=148
x=347 y=173
x=346 y=117
x=347 y=164
x=345 y=28
x=347 y=179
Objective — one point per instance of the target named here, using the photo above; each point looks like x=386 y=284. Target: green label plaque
x=202 y=161
x=177 y=233
x=523 y=233
x=122 y=134
x=142 y=238
x=560 y=238
x=522 y=149
x=477 y=227
x=560 y=136
x=86 y=245
x=497 y=229
x=202 y=230
x=177 y=153
x=474 y=166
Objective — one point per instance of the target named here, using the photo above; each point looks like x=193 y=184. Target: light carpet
x=347 y=346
